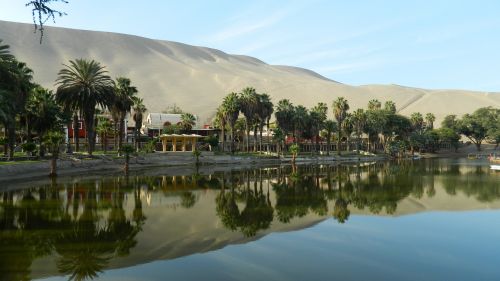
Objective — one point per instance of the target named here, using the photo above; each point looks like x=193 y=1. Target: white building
x=158 y=121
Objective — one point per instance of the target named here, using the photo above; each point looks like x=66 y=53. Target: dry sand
x=197 y=78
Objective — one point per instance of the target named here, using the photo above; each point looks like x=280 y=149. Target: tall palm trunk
x=115 y=130
x=89 y=125
x=28 y=129
x=136 y=141
x=53 y=165
x=76 y=133
x=255 y=139
x=127 y=163
x=261 y=128
x=223 y=134
x=247 y=130
x=316 y=148
x=105 y=141
x=11 y=139
x=328 y=142
x=232 y=140
x=338 y=141
x=120 y=134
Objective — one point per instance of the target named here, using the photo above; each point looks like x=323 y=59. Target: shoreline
x=21 y=171
x=68 y=167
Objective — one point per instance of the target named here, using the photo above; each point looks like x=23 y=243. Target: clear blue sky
x=429 y=44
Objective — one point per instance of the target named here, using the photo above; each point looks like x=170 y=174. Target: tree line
x=377 y=126
x=84 y=90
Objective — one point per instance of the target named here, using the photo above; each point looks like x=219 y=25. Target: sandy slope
x=197 y=78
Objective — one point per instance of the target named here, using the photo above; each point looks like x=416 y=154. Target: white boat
x=495 y=167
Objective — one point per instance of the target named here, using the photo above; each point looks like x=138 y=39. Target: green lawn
x=19 y=162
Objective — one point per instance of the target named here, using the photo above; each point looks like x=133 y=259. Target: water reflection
x=83 y=225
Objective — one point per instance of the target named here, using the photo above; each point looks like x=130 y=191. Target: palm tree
x=220 y=120
x=374 y=104
x=122 y=104
x=5 y=63
x=54 y=140
x=285 y=116
x=340 y=108
x=300 y=120
x=265 y=112
x=347 y=129
x=249 y=105
x=82 y=86
x=188 y=121
x=330 y=126
x=417 y=121
x=17 y=85
x=104 y=129
x=429 y=121
x=139 y=110
x=318 y=117
x=43 y=111
x=358 y=122
x=127 y=150
x=231 y=107
x=390 y=106
x=294 y=150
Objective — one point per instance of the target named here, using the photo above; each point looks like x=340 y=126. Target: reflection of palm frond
x=83 y=264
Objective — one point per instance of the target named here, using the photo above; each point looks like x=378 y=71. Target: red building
x=81 y=131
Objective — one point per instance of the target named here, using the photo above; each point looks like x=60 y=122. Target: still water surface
x=421 y=220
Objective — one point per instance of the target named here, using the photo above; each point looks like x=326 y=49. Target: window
x=80 y=125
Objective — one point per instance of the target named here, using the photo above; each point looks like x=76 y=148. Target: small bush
x=28 y=147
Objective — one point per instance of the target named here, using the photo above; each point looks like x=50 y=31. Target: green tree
x=448 y=135
x=300 y=121
x=475 y=126
x=294 y=150
x=139 y=110
x=340 y=108
x=417 y=122
x=279 y=138
x=231 y=108
x=83 y=85
x=127 y=150
x=188 y=121
x=348 y=129
x=16 y=86
x=249 y=101
x=124 y=99
x=374 y=105
x=330 y=127
x=44 y=113
x=318 y=115
x=358 y=123
x=220 y=122
x=429 y=121
x=104 y=129
x=265 y=112
x=390 y=106
x=450 y=121
x=285 y=116
x=54 y=140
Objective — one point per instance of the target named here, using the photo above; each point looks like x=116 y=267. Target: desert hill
x=197 y=78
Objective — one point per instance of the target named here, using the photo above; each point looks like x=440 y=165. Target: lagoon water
x=413 y=220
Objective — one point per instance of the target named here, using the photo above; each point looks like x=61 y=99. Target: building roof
x=160 y=120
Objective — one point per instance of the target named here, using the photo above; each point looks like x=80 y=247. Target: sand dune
x=197 y=78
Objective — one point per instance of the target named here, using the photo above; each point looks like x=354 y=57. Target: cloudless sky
x=428 y=44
